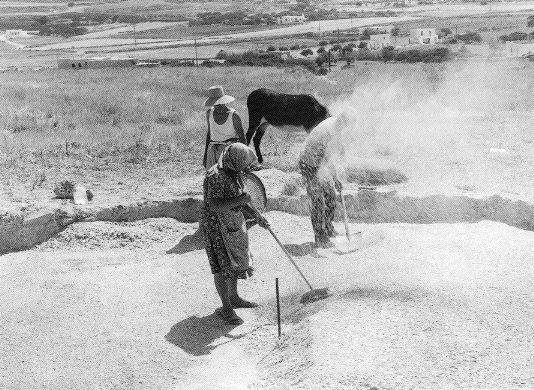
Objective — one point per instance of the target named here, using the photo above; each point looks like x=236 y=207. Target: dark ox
x=267 y=107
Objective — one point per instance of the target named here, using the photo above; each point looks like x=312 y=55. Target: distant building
x=95 y=63
x=519 y=49
x=290 y=19
x=379 y=41
x=410 y=3
x=424 y=36
x=400 y=42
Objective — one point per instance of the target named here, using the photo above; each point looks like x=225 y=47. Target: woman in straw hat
x=224 y=128
x=224 y=125
x=223 y=224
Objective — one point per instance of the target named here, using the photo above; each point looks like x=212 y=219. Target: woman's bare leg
x=222 y=290
x=235 y=299
x=226 y=311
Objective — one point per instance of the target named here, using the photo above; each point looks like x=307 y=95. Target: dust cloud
x=420 y=119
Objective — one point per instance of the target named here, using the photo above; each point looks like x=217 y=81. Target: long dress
x=225 y=232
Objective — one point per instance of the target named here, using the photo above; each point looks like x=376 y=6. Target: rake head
x=314 y=295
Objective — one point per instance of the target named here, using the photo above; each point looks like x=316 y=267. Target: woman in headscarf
x=223 y=224
x=224 y=125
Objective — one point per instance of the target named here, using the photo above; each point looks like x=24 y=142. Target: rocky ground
x=107 y=305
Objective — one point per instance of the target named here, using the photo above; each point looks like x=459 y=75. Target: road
x=315 y=26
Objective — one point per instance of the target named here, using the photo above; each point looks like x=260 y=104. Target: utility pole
x=135 y=37
x=196 y=53
x=329 y=62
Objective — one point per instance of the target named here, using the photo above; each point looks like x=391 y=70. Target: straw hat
x=216 y=96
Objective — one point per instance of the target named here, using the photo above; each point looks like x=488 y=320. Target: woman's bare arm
x=238 y=126
x=207 y=140
x=260 y=219
x=227 y=204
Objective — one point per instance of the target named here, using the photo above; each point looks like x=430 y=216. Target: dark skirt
x=323 y=202
x=226 y=242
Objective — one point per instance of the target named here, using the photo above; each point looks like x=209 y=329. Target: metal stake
x=278 y=308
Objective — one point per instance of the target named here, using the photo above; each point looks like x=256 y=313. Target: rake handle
x=289 y=257
x=345 y=218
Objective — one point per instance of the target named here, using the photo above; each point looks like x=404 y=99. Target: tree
x=221 y=55
x=469 y=37
x=446 y=31
x=530 y=21
x=395 y=31
x=321 y=50
x=306 y=52
x=515 y=36
x=321 y=59
x=42 y=20
x=271 y=48
x=362 y=45
x=366 y=34
x=388 y=53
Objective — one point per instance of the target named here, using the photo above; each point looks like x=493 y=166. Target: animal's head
x=321 y=113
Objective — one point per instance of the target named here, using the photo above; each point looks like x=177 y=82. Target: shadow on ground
x=383 y=294
x=189 y=243
x=307 y=248
x=196 y=335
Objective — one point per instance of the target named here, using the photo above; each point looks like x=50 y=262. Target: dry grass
x=146 y=126
x=138 y=129
x=109 y=113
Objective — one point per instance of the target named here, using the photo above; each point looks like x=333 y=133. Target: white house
x=424 y=36
x=290 y=19
x=379 y=41
x=519 y=49
x=400 y=42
